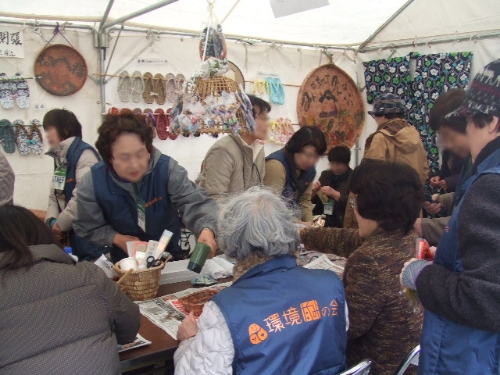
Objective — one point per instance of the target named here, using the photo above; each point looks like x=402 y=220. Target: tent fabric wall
x=33 y=173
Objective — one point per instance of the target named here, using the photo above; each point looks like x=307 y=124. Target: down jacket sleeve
x=211 y=351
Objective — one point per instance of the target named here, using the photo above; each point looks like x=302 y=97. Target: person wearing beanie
x=394 y=140
x=460 y=289
x=331 y=191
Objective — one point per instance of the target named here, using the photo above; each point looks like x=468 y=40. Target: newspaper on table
x=166 y=312
x=323 y=263
x=138 y=342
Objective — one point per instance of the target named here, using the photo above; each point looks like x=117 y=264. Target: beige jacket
x=276 y=178
x=231 y=166
x=56 y=198
x=396 y=140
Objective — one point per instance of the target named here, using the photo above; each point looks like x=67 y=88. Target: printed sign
x=283 y=8
x=11 y=42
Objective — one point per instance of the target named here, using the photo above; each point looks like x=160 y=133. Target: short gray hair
x=257 y=222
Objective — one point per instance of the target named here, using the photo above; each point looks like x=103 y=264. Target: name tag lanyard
x=141 y=207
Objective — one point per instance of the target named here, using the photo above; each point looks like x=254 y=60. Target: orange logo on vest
x=257 y=334
x=154 y=201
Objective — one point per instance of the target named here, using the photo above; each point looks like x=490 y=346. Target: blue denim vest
x=448 y=347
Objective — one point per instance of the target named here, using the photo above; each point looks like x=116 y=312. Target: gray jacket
x=62 y=318
x=197 y=209
x=229 y=166
x=7 y=178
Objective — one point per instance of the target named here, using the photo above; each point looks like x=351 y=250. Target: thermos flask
x=198 y=257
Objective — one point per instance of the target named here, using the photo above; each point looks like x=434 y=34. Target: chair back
x=410 y=359
x=362 y=368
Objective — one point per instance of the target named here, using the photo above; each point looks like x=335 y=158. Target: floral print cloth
x=434 y=75
x=387 y=76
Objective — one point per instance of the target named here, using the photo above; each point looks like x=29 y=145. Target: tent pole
x=105 y=15
x=47 y=24
x=452 y=38
x=102 y=58
x=140 y=12
x=384 y=25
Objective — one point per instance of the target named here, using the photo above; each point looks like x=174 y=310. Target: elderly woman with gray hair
x=276 y=318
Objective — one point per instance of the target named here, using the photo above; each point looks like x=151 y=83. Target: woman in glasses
x=383 y=324
x=291 y=170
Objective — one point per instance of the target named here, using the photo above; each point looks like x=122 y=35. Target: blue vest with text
x=83 y=249
x=286 y=320
x=448 y=347
x=120 y=209
x=290 y=190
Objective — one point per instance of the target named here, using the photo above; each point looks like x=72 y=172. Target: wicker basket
x=215 y=86
x=195 y=302
x=141 y=285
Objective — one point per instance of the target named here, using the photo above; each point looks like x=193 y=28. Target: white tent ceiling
x=433 y=19
x=340 y=23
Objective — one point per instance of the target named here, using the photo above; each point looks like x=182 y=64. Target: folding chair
x=411 y=359
x=362 y=368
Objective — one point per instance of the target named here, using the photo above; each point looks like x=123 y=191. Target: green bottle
x=198 y=257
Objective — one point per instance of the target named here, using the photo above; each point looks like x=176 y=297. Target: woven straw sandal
x=124 y=86
x=148 y=88
x=137 y=87
x=159 y=89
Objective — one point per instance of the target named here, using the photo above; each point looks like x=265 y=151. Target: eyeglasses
x=352 y=202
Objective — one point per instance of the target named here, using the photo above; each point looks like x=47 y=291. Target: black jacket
x=341 y=184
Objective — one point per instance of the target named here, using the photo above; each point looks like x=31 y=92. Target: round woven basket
x=215 y=86
x=141 y=285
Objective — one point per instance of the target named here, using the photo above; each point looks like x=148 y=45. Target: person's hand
x=418 y=227
x=435 y=181
x=403 y=270
x=330 y=192
x=442 y=184
x=56 y=229
x=188 y=328
x=434 y=207
x=121 y=240
x=316 y=187
x=207 y=236
x=306 y=224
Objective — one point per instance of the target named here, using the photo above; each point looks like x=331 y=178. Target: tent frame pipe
x=48 y=24
x=384 y=25
x=105 y=15
x=423 y=42
x=239 y=39
x=140 y=12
